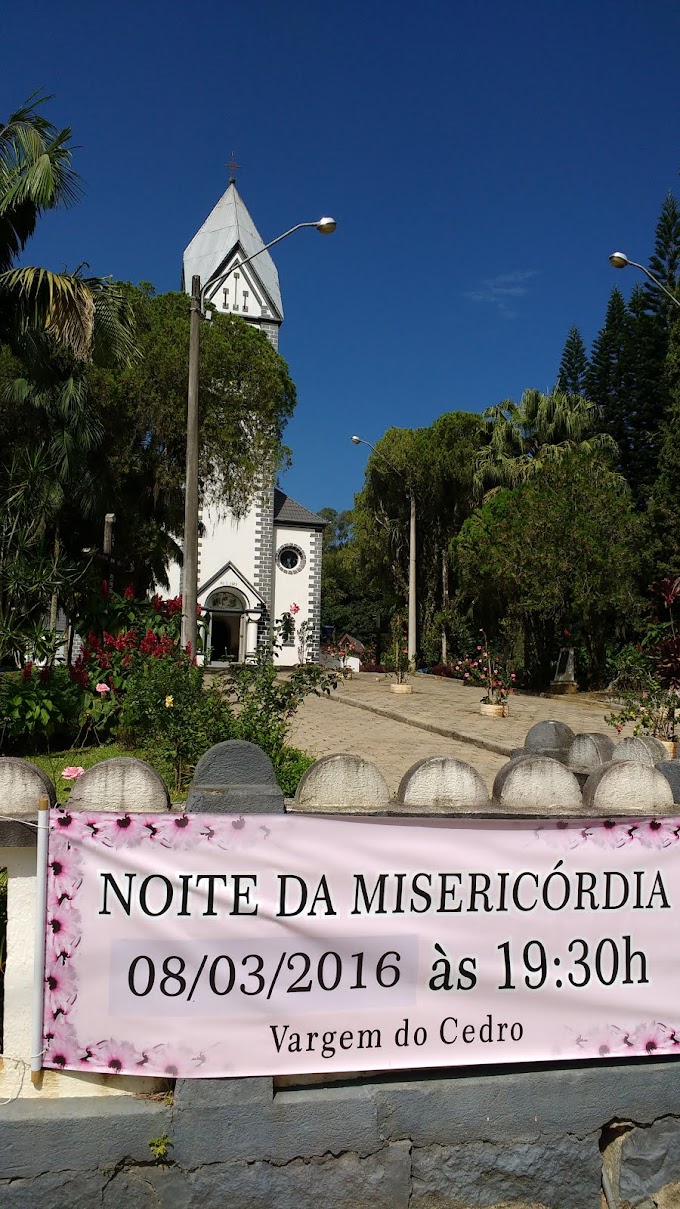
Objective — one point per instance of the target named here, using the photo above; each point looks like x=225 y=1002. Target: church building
x=253 y=568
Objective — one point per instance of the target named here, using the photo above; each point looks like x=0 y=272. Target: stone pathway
x=364 y=718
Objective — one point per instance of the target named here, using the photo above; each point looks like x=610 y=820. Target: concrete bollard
x=625 y=787
x=22 y=784
x=536 y=785
x=443 y=785
x=342 y=783
x=670 y=769
x=549 y=738
x=642 y=748
x=120 y=784
x=235 y=777
x=589 y=751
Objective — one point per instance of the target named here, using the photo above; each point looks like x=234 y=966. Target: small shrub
x=290 y=765
x=167 y=706
x=38 y=706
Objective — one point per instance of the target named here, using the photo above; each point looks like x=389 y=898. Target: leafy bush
x=166 y=705
x=442 y=669
x=38 y=706
x=290 y=765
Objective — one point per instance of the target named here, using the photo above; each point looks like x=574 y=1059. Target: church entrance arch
x=226 y=626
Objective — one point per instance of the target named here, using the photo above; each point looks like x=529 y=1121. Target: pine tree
x=608 y=379
x=664 y=263
x=664 y=506
x=649 y=401
x=571 y=378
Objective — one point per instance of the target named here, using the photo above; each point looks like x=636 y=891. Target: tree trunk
x=445 y=598
x=54 y=603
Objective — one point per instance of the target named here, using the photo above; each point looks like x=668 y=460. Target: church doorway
x=226 y=627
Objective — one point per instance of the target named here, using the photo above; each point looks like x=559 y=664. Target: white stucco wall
x=292 y=587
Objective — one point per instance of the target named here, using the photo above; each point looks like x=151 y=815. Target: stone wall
x=572 y=1136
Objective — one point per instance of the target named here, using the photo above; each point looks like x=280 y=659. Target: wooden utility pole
x=190 y=567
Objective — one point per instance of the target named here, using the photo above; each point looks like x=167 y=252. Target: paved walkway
x=364 y=718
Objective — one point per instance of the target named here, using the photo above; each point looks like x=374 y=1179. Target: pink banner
x=216 y=945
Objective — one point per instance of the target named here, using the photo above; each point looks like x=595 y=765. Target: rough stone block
x=121 y=784
x=443 y=785
x=485 y=1174
x=342 y=783
x=381 y=1180
x=642 y=748
x=235 y=777
x=22 y=785
x=549 y=738
x=650 y=1159
x=670 y=769
x=54 y=1190
x=537 y=785
x=589 y=751
x=627 y=787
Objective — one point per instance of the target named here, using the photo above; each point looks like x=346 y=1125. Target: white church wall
x=293 y=587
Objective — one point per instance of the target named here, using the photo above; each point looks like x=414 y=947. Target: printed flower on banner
x=64 y=869
x=61 y=989
x=62 y=1049
x=183 y=831
x=116 y=1056
x=648 y=1038
x=175 y=1060
x=657 y=833
x=121 y=830
x=63 y=951
x=63 y=928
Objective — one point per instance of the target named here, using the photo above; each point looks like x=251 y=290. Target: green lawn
x=53 y=763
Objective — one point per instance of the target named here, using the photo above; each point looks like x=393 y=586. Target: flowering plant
x=488 y=671
x=653 y=712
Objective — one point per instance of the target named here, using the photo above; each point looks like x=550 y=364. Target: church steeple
x=227 y=237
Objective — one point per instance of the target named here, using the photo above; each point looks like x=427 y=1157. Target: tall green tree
x=559 y=552
x=86 y=314
x=571 y=377
x=664 y=262
x=540 y=429
x=609 y=378
x=437 y=464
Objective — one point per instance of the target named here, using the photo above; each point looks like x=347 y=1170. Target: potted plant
x=488 y=672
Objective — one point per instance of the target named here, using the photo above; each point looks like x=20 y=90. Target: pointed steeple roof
x=230 y=233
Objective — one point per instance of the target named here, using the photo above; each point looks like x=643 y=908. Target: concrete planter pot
x=401 y=688
x=491 y=709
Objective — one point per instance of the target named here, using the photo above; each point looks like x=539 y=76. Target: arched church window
x=290 y=558
x=226 y=600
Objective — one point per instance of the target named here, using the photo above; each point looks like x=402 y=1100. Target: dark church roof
x=289 y=512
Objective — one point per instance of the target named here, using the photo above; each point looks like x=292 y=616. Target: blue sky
x=482 y=161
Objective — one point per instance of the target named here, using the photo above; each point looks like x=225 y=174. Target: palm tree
x=541 y=428
x=87 y=314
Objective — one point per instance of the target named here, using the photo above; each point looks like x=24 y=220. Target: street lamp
x=325 y=226
x=411 y=552
x=619 y=260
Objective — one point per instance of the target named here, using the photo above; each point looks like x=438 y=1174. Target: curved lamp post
x=619 y=260
x=325 y=226
x=411 y=552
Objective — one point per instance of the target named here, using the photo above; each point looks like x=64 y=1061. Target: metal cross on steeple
x=232 y=168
